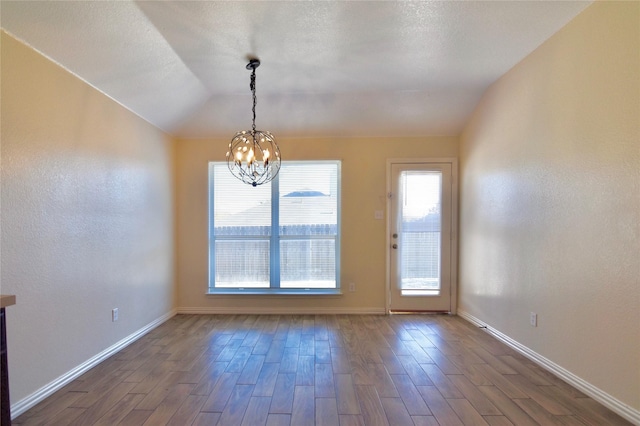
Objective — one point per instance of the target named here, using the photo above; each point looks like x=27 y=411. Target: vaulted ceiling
x=328 y=68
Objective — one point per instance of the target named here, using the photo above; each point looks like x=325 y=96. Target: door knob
x=395 y=246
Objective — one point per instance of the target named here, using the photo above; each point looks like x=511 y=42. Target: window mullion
x=274 y=248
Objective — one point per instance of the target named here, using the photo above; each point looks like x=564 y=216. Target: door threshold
x=419 y=312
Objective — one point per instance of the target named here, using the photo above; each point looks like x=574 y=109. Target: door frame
x=454 y=225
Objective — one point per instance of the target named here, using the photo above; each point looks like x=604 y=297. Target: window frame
x=274 y=240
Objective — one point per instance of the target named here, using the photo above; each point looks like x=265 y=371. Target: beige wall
x=87 y=219
x=550 y=201
x=363 y=238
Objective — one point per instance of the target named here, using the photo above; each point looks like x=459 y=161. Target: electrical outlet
x=352 y=287
x=114 y=315
x=533 y=319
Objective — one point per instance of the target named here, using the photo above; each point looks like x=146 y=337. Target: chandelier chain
x=252 y=85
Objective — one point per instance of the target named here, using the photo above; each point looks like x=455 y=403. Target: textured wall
x=363 y=244
x=87 y=219
x=550 y=201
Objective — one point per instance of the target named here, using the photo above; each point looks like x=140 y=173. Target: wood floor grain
x=317 y=370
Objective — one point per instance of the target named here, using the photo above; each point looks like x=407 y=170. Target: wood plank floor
x=318 y=370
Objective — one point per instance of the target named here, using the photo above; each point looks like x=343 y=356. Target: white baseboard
x=283 y=311
x=597 y=394
x=45 y=391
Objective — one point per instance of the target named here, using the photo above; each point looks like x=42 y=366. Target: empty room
x=320 y=213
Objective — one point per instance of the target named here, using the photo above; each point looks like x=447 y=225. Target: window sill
x=275 y=292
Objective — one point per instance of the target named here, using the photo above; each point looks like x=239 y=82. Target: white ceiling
x=328 y=68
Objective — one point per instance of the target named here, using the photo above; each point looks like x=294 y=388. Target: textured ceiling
x=328 y=68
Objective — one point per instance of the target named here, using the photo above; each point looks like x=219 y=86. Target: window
x=280 y=237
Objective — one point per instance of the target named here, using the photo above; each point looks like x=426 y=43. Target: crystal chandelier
x=254 y=156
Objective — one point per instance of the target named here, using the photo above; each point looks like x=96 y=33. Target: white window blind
x=282 y=236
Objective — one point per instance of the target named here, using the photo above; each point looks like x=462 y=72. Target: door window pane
x=420 y=237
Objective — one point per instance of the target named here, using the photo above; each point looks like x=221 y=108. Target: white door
x=420 y=235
